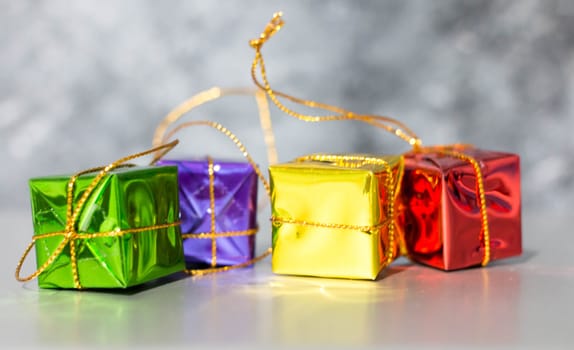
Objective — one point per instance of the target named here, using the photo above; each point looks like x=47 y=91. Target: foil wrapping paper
x=317 y=208
x=440 y=216
x=125 y=199
x=235 y=190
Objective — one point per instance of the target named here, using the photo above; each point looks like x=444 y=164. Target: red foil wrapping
x=440 y=212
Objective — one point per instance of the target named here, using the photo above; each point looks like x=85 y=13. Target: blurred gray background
x=85 y=82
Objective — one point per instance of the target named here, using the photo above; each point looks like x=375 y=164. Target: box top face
x=337 y=163
x=126 y=198
x=445 y=162
x=222 y=169
x=201 y=162
x=327 y=193
x=119 y=172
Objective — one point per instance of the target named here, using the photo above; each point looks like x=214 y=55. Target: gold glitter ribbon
x=215 y=93
x=386 y=123
x=391 y=125
x=70 y=233
x=212 y=234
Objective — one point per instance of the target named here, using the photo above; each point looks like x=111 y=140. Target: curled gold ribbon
x=386 y=123
x=212 y=234
x=70 y=233
x=215 y=93
x=391 y=125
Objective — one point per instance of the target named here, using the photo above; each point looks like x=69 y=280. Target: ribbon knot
x=271 y=28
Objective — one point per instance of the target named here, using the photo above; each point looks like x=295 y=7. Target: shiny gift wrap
x=333 y=216
x=234 y=203
x=440 y=212
x=126 y=199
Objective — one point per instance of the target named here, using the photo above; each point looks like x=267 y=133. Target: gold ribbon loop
x=386 y=123
x=213 y=235
x=215 y=93
x=271 y=28
x=70 y=234
x=57 y=252
x=222 y=129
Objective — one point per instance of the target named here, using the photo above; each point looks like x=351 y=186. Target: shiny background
x=82 y=83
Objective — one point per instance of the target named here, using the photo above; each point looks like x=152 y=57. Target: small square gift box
x=460 y=206
x=218 y=197
x=109 y=227
x=334 y=215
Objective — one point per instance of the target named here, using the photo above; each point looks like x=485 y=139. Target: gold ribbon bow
x=386 y=123
x=161 y=136
x=70 y=233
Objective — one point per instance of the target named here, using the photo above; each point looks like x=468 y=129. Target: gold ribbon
x=386 y=123
x=275 y=220
x=213 y=94
x=70 y=233
x=212 y=234
x=394 y=126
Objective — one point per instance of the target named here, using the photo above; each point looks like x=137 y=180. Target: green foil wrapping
x=126 y=198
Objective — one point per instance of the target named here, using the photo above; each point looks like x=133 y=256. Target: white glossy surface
x=517 y=303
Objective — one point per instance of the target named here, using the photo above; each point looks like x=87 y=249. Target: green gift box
x=107 y=229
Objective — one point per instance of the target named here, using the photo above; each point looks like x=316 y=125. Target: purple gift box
x=235 y=203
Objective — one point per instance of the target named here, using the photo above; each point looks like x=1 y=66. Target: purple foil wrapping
x=235 y=189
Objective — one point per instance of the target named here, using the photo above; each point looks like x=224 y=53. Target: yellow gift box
x=334 y=215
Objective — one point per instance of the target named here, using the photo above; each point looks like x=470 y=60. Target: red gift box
x=440 y=213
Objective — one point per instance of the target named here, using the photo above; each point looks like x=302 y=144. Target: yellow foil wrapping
x=334 y=215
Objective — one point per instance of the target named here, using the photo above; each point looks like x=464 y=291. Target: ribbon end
x=271 y=28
